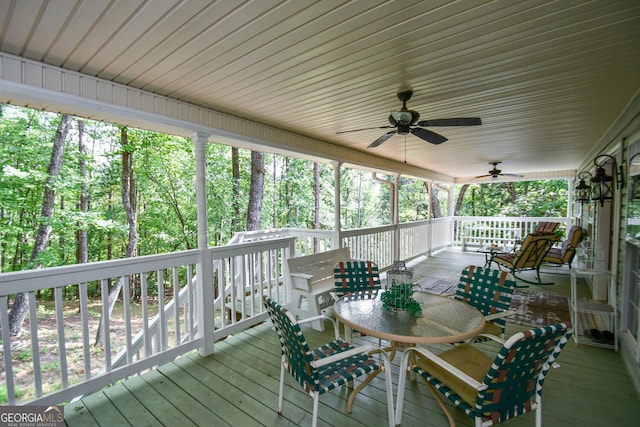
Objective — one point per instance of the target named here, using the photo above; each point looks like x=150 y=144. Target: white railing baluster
x=176 y=306
x=6 y=351
x=84 y=315
x=222 y=297
x=106 y=324
x=190 y=314
x=62 y=346
x=126 y=299
x=144 y=295
x=164 y=333
x=35 y=345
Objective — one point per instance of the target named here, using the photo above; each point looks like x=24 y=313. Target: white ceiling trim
x=37 y=85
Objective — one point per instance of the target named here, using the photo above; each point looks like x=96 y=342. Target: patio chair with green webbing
x=355 y=276
x=489 y=291
x=334 y=364
x=489 y=390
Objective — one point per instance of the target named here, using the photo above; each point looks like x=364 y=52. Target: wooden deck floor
x=238 y=385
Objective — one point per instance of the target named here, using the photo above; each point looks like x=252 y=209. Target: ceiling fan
x=406 y=121
x=495 y=173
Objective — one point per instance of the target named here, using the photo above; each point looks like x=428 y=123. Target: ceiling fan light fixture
x=397 y=118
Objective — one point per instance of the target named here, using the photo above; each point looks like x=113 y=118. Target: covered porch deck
x=238 y=383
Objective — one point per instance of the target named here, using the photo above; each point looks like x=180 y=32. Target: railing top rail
x=236 y=249
x=511 y=218
x=368 y=230
x=279 y=232
x=31 y=280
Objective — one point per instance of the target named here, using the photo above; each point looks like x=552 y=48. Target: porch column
x=570 y=183
x=337 y=224
x=393 y=211
x=204 y=268
x=396 y=217
x=451 y=206
x=430 y=232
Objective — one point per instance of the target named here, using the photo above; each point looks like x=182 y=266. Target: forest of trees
x=75 y=190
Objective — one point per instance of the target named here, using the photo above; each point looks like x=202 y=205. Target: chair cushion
x=492 y=329
x=508 y=258
x=469 y=360
x=554 y=255
x=545 y=227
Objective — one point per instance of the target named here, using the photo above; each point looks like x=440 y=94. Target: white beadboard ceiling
x=547 y=78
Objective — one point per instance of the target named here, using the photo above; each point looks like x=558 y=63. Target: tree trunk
x=256 y=191
x=130 y=207
x=82 y=244
x=20 y=303
x=436 y=210
x=512 y=191
x=235 y=170
x=435 y=203
x=460 y=199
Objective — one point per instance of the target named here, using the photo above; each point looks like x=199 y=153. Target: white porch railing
x=130 y=346
x=476 y=231
x=163 y=324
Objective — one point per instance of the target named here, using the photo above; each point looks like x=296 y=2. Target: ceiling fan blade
x=358 y=130
x=468 y=121
x=498 y=175
x=382 y=139
x=428 y=135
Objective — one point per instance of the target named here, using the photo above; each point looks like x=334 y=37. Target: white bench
x=483 y=235
x=312 y=281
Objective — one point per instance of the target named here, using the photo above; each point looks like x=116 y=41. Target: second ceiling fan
x=495 y=173
x=406 y=121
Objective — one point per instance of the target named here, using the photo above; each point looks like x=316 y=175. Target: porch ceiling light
x=603 y=185
x=583 y=190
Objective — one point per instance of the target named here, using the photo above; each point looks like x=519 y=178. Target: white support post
x=336 y=201
x=570 y=185
x=451 y=206
x=395 y=205
x=204 y=269
x=430 y=231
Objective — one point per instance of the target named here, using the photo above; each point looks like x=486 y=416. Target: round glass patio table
x=444 y=320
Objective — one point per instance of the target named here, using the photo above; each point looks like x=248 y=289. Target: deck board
x=149 y=398
x=238 y=384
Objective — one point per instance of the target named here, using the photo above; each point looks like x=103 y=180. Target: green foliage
x=522 y=198
x=399 y=296
x=365 y=202
x=413 y=200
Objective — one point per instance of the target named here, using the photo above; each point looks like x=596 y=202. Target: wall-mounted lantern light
x=603 y=185
x=583 y=190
